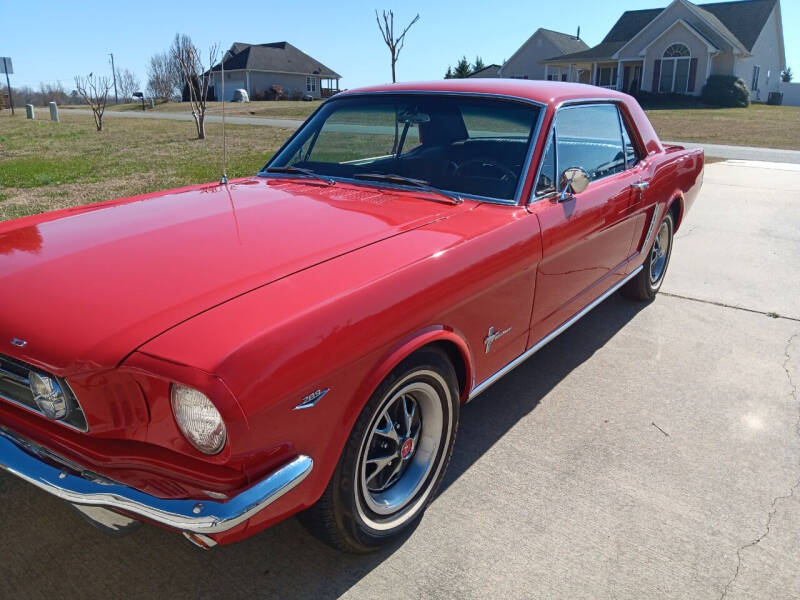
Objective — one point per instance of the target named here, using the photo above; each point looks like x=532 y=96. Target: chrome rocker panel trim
x=196 y=516
x=481 y=387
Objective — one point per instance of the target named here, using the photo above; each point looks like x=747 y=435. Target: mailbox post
x=139 y=95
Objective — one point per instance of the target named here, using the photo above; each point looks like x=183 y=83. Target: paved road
x=649 y=452
x=711 y=150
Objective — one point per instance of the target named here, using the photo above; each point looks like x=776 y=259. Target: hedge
x=726 y=90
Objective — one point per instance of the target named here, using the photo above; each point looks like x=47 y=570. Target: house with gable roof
x=675 y=49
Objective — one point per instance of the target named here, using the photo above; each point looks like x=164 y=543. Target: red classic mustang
x=216 y=358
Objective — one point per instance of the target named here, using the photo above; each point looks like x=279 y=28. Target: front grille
x=14 y=388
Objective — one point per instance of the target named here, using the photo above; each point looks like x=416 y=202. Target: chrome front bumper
x=34 y=464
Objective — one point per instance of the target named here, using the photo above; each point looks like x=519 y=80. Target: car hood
x=85 y=287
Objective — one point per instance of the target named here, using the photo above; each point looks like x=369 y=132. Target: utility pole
x=114 y=73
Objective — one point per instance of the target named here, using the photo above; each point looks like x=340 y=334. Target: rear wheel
x=646 y=284
x=394 y=459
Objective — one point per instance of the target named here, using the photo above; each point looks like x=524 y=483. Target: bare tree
x=51 y=92
x=161 y=77
x=94 y=91
x=127 y=83
x=395 y=44
x=197 y=77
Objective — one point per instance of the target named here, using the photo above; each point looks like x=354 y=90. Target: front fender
x=412 y=343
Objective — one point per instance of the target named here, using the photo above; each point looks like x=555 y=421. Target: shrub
x=726 y=90
x=277 y=93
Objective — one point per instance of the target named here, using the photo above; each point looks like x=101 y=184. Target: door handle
x=641 y=185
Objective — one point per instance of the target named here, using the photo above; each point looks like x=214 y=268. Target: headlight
x=48 y=395
x=198 y=419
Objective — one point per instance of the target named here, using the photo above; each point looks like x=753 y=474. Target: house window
x=607 y=77
x=311 y=84
x=756 y=73
x=676 y=51
x=675 y=70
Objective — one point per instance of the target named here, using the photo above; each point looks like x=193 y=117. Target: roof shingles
x=276 y=57
x=564 y=42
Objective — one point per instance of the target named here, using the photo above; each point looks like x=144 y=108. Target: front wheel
x=646 y=284
x=394 y=459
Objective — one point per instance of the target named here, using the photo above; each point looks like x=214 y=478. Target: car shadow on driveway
x=50 y=551
x=487 y=418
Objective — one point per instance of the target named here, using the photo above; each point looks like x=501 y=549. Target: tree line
x=127 y=84
x=464 y=69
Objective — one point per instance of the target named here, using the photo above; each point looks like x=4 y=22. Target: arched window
x=675 y=67
x=676 y=51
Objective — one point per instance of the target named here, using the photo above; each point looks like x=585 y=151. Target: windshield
x=461 y=144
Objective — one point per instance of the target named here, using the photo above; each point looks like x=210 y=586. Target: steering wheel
x=506 y=174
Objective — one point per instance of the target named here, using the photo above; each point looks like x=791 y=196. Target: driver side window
x=589 y=137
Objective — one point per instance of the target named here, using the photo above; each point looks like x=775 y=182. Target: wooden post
x=8 y=83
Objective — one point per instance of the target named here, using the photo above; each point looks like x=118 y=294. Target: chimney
x=578 y=35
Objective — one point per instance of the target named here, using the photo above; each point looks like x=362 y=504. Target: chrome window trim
x=622 y=138
x=486 y=383
x=640 y=154
x=532 y=141
x=571 y=103
x=534 y=196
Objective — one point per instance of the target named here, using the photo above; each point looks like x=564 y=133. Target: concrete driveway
x=649 y=452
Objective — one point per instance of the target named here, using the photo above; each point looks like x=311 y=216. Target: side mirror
x=573 y=181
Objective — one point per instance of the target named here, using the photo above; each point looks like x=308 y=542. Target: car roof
x=546 y=92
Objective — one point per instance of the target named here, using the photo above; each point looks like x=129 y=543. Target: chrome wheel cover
x=659 y=253
x=400 y=456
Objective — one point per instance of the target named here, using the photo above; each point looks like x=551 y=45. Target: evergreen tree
x=478 y=64
x=449 y=74
x=463 y=69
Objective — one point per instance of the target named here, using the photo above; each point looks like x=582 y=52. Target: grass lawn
x=46 y=165
x=758 y=125
x=284 y=109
